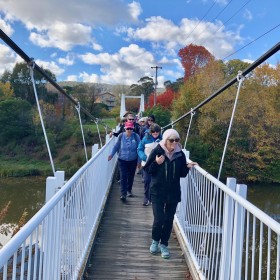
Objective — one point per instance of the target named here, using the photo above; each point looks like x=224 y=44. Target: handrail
x=16 y=242
x=266 y=219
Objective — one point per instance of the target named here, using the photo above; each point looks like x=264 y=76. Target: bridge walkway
x=121 y=248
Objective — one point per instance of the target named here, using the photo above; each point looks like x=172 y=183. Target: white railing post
x=107 y=138
x=53 y=184
x=94 y=149
x=227 y=232
x=238 y=235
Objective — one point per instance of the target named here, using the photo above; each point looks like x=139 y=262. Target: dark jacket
x=165 y=184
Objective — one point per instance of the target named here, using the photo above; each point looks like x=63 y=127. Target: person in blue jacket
x=148 y=143
x=128 y=160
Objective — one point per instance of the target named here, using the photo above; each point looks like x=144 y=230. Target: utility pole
x=155 y=96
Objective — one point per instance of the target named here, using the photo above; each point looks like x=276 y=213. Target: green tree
x=22 y=84
x=145 y=86
x=162 y=115
x=6 y=77
x=86 y=95
x=232 y=67
x=15 y=120
x=175 y=86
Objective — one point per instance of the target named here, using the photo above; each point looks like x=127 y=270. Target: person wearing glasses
x=151 y=119
x=129 y=118
x=126 y=146
x=166 y=164
x=147 y=144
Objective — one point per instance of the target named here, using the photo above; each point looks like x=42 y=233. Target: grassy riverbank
x=24 y=158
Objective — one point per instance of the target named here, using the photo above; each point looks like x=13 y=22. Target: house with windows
x=106 y=98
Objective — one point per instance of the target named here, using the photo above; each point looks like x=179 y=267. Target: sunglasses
x=129 y=128
x=154 y=131
x=131 y=119
x=172 y=140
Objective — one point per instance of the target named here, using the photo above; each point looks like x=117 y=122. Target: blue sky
x=118 y=41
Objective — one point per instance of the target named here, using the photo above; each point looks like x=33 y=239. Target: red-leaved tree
x=165 y=99
x=193 y=58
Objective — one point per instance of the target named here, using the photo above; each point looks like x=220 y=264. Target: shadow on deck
x=121 y=249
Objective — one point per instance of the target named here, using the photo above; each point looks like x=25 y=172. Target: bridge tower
x=123 y=109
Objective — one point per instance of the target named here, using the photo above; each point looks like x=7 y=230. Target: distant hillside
x=100 y=88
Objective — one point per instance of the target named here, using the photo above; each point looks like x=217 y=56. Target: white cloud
x=89 y=78
x=135 y=9
x=66 y=23
x=62 y=36
x=6 y=27
x=125 y=66
x=42 y=14
x=163 y=32
x=8 y=59
x=68 y=60
x=248 y=15
x=52 y=66
x=97 y=47
x=72 y=78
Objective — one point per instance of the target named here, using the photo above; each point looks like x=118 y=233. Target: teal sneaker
x=164 y=251
x=154 y=248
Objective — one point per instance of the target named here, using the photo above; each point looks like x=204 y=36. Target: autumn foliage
x=194 y=58
x=165 y=99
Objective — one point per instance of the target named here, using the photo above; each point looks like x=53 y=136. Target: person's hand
x=192 y=164
x=109 y=158
x=110 y=134
x=160 y=159
x=139 y=165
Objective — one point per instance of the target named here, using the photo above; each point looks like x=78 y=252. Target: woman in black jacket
x=166 y=164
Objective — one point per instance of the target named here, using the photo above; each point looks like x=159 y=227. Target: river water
x=29 y=193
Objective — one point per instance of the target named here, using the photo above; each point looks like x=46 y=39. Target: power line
x=202 y=19
x=213 y=19
x=250 y=68
x=234 y=15
x=155 y=95
x=252 y=41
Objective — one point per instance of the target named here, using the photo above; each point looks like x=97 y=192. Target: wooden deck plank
x=121 y=249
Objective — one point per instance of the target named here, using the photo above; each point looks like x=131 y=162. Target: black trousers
x=163 y=221
x=127 y=172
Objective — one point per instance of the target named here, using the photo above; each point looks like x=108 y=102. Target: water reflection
x=24 y=192
x=267 y=198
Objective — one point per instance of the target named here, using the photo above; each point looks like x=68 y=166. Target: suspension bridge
x=84 y=232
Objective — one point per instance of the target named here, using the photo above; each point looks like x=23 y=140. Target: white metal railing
x=55 y=243
x=224 y=235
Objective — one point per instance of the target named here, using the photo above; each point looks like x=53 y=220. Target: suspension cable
x=28 y=59
x=96 y=122
x=250 y=68
x=240 y=79
x=78 y=108
x=192 y=114
x=31 y=67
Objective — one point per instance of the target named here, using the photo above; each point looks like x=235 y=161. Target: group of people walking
x=162 y=162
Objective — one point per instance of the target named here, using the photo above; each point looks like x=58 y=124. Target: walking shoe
x=164 y=251
x=154 y=248
x=129 y=194
x=146 y=202
x=123 y=198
